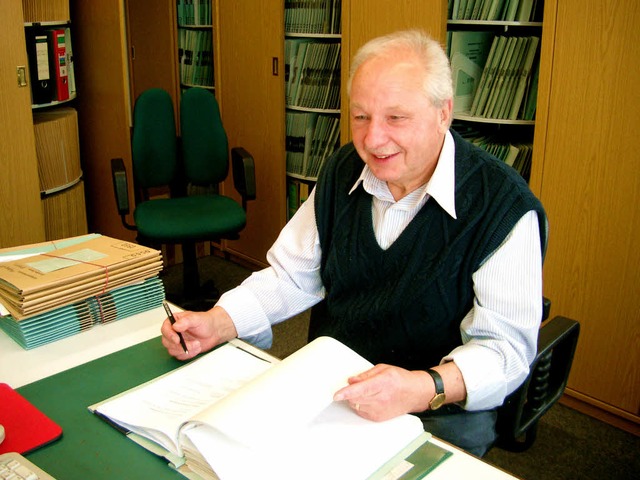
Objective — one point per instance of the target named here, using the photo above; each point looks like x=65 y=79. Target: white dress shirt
x=499 y=333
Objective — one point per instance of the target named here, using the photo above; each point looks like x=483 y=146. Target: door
x=151 y=26
x=103 y=104
x=250 y=89
x=590 y=187
x=22 y=217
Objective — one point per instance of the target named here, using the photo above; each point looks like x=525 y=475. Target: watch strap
x=437 y=380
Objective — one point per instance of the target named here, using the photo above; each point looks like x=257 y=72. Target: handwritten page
x=159 y=408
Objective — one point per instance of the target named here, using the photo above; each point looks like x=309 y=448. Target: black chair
x=518 y=417
x=200 y=158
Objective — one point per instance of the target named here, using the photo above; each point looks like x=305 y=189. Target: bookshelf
x=194 y=19
x=494 y=49
x=52 y=82
x=312 y=56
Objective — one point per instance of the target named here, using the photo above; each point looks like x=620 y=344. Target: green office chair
x=200 y=158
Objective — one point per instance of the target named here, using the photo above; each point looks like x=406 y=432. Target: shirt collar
x=441 y=185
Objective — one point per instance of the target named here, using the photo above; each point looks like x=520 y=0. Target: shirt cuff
x=248 y=317
x=482 y=374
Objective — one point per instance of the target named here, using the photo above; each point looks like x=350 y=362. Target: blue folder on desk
x=68 y=320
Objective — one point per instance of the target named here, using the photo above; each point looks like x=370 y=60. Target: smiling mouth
x=383 y=156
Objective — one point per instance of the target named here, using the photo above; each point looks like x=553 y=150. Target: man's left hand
x=385 y=391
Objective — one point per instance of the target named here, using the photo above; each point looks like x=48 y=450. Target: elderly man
x=420 y=251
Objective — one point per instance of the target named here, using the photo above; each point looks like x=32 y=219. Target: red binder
x=26 y=427
x=60 y=55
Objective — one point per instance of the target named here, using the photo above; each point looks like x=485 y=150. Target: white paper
x=158 y=409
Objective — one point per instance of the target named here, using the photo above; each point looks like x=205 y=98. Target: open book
x=237 y=413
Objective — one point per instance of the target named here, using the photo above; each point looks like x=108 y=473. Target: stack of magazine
x=56 y=289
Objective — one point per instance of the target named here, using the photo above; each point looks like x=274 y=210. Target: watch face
x=437 y=401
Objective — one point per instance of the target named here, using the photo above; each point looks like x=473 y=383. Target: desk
x=105 y=366
x=19 y=366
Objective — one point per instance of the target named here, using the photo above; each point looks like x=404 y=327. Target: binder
x=70 y=70
x=41 y=67
x=58 y=42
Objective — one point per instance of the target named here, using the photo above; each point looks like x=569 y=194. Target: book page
x=286 y=398
x=157 y=409
x=338 y=444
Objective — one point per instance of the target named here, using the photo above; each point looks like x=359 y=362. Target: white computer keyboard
x=16 y=467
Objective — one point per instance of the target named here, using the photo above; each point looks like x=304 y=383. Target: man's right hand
x=201 y=331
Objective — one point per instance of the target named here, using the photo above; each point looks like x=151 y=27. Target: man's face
x=396 y=129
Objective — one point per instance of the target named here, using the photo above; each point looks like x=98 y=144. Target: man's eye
x=360 y=117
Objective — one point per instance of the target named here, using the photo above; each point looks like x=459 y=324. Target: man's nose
x=376 y=134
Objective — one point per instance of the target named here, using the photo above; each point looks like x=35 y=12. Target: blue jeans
x=474 y=432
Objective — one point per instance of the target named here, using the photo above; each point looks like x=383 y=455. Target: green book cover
x=414 y=462
x=469 y=53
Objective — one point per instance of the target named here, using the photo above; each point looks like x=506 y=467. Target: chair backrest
x=154 y=142
x=205 y=148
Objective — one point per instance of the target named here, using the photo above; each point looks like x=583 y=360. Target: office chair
x=518 y=417
x=199 y=158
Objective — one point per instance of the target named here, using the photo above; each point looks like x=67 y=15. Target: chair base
x=194 y=296
x=200 y=298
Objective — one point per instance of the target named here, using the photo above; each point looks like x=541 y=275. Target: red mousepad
x=26 y=427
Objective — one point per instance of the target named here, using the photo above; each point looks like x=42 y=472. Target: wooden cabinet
x=250 y=89
x=103 y=105
x=22 y=216
x=151 y=28
x=585 y=171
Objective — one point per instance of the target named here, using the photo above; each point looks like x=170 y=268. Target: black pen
x=173 y=320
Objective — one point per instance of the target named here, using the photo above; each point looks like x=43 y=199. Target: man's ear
x=446 y=115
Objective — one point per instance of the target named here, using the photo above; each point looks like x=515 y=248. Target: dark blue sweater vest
x=403 y=306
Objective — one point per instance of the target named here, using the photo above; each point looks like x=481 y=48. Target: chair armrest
x=244 y=176
x=121 y=189
x=557 y=339
x=543 y=387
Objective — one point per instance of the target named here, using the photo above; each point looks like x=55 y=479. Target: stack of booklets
x=56 y=289
x=312 y=74
x=495 y=10
x=509 y=80
x=312 y=16
x=194 y=12
x=508 y=148
x=494 y=77
x=311 y=138
x=195 y=52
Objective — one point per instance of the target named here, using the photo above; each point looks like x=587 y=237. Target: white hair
x=438 y=83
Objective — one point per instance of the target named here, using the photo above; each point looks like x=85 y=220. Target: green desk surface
x=89 y=447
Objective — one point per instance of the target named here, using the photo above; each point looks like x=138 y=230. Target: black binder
x=42 y=69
